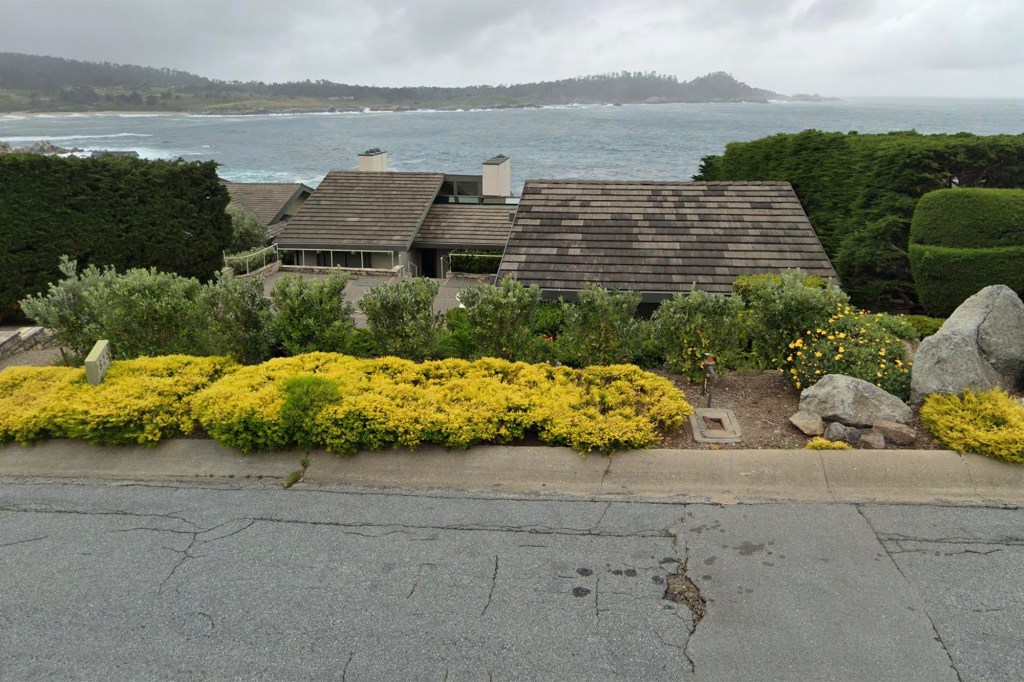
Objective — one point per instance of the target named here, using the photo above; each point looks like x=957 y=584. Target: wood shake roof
x=658 y=237
x=359 y=210
x=469 y=226
x=264 y=200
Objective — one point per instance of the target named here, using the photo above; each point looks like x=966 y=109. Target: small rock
x=897 y=434
x=872 y=440
x=810 y=424
x=835 y=431
x=841 y=432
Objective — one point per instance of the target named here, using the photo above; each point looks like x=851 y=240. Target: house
x=271 y=203
x=658 y=238
x=377 y=219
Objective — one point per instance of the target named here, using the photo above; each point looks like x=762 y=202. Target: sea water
x=633 y=141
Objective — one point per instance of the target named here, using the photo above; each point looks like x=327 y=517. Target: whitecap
x=29 y=139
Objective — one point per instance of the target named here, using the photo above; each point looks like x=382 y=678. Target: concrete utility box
x=97 y=362
x=712 y=425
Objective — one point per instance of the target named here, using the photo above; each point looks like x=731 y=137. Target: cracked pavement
x=121 y=581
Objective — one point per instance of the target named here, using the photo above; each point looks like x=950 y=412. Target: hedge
x=859 y=192
x=342 y=403
x=475 y=262
x=969 y=218
x=946 y=277
x=962 y=240
x=115 y=211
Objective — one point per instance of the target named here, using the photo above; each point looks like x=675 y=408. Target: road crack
x=187 y=554
x=924 y=606
x=400 y=528
x=679 y=588
x=601 y=517
x=494 y=582
x=22 y=542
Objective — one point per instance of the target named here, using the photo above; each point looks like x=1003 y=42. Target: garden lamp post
x=709 y=377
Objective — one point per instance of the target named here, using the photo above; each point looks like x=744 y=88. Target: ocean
x=633 y=141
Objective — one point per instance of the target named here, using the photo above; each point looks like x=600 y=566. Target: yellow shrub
x=989 y=423
x=139 y=401
x=455 y=403
x=364 y=404
x=27 y=398
x=243 y=408
x=819 y=443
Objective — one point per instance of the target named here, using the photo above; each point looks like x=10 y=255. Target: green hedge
x=946 y=277
x=962 y=240
x=114 y=211
x=860 y=191
x=475 y=262
x=969 y=218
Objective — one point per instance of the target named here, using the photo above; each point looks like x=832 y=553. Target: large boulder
x=854 y=402
x=980 y=347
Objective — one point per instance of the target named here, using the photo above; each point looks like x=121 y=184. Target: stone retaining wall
x=26 y=338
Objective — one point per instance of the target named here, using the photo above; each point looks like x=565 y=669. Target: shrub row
x=769 y=323
x=342 y=403
x=146 y=312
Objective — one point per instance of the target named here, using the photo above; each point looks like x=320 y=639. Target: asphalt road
x=113 y=581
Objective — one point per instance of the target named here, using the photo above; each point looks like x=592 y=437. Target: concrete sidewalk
x=724 y=476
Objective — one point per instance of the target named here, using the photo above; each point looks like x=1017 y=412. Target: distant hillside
x=37 y=83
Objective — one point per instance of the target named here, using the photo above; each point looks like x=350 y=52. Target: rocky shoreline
x=245 y=109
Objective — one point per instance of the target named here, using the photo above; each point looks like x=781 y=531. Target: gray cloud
x=827 y=13
x=857 y=47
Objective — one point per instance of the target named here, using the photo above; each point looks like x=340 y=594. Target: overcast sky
x=966 y=48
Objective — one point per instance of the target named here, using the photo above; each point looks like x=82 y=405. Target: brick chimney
x=497 y=176
x=373 y=160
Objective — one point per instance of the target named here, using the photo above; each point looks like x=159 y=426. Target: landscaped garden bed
x=592 y=374
x=343 y=403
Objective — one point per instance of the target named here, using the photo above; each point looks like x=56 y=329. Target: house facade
x=376 y=219
x=657 y=238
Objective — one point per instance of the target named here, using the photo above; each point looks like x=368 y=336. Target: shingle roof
x=658 y=237
x=264 y=200
x=471 y=226
x=274 y=231
x=359 y=210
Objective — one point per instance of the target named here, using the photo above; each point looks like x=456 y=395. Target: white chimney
x=497 y=176
x=373 y=160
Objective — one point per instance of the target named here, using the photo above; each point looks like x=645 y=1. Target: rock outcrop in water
x=41 y=147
